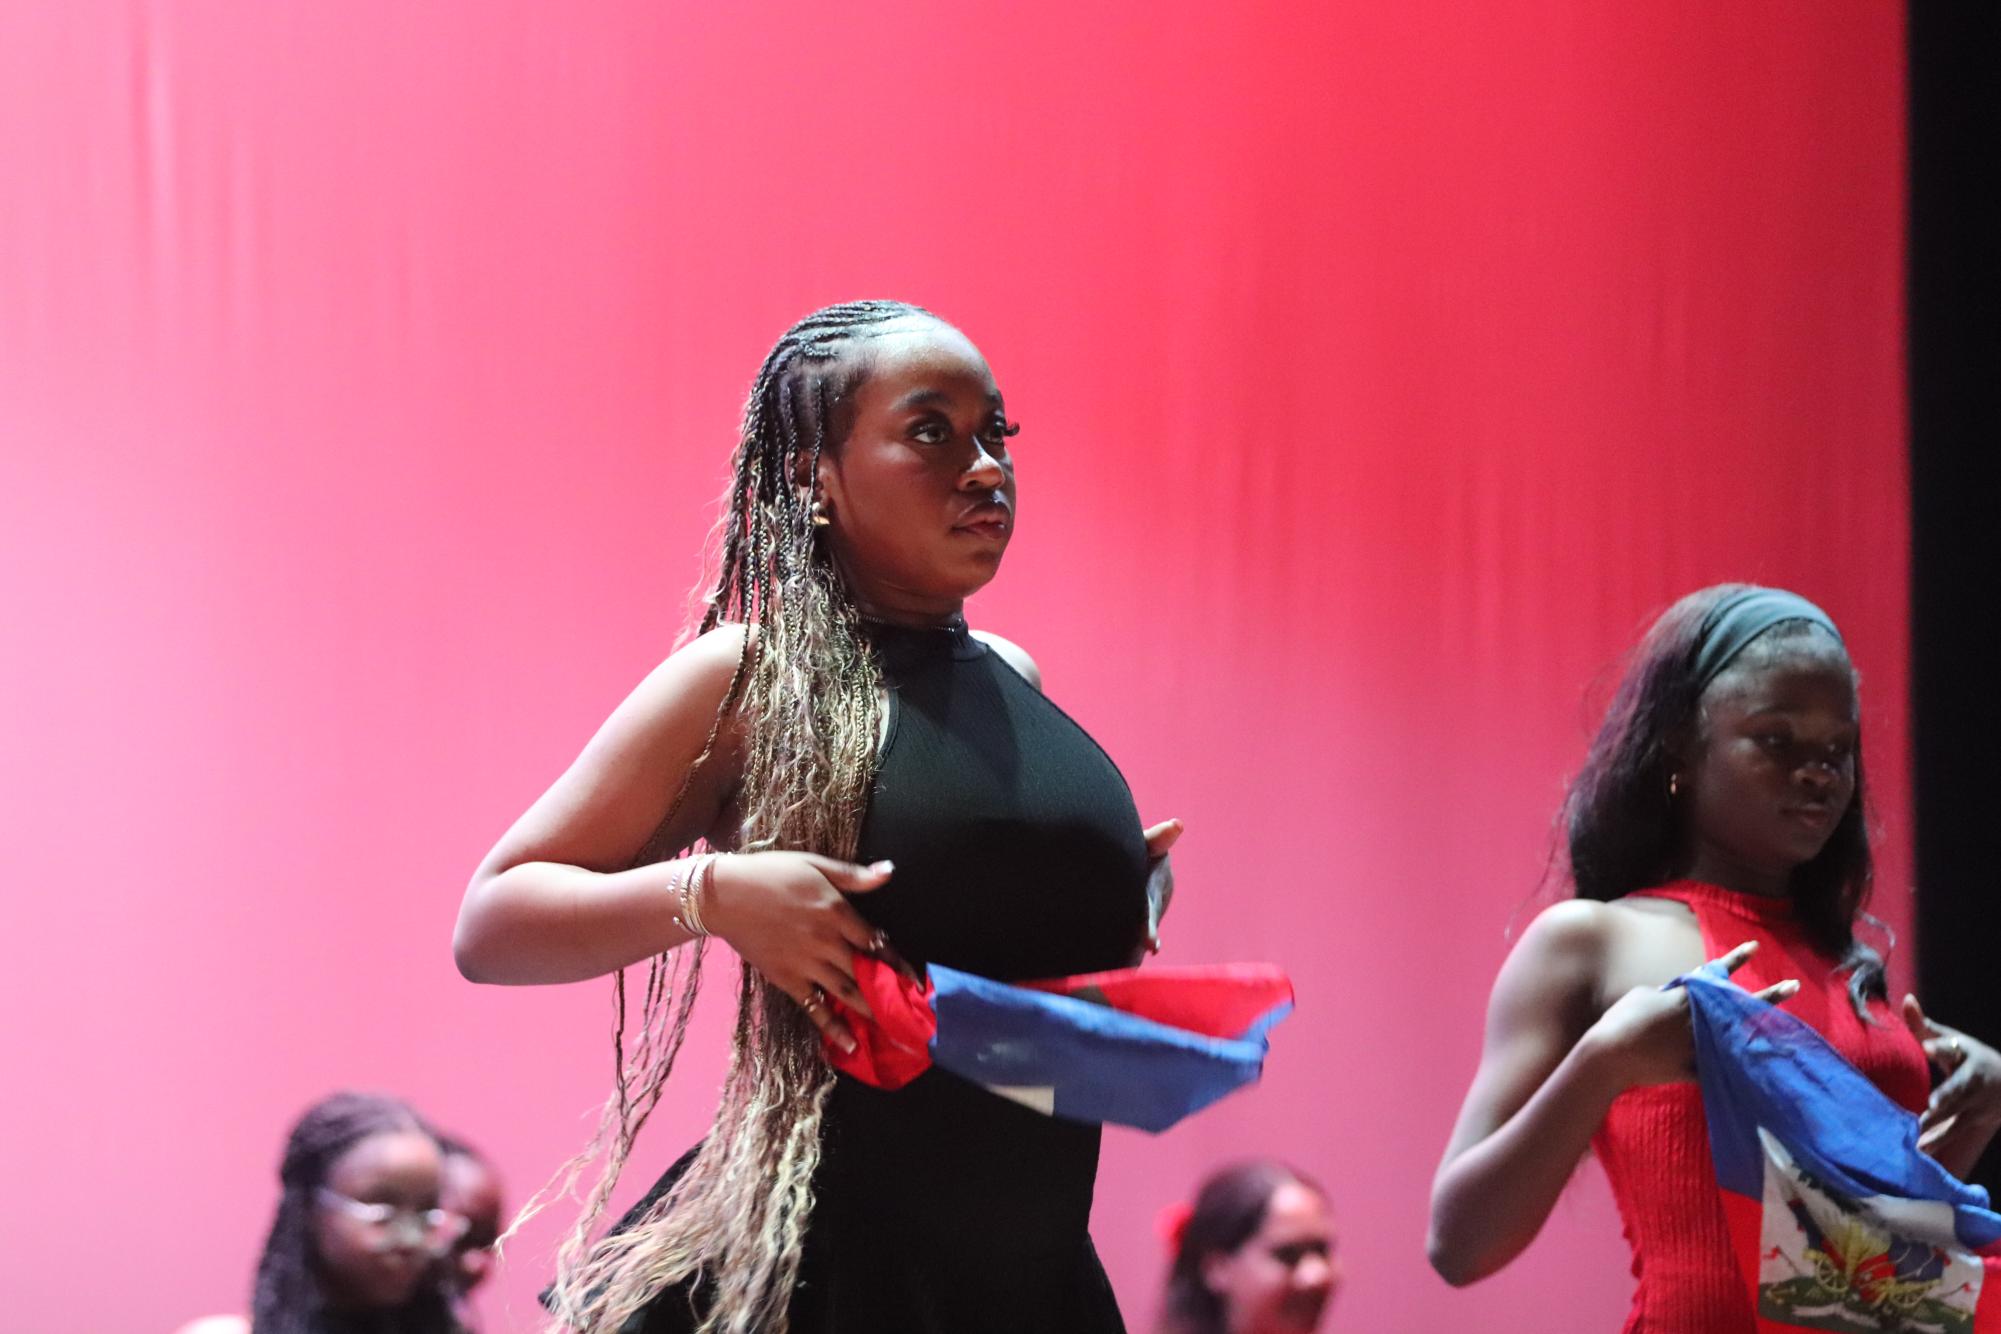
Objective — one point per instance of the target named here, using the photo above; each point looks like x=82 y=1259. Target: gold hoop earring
x=816 y=513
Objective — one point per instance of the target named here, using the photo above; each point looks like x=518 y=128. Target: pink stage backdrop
x=367 y=372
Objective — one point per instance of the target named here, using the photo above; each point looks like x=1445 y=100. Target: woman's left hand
x=1159 y=878
x=1970 y=1092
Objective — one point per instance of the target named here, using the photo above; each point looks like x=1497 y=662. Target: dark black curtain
x=1955 y=388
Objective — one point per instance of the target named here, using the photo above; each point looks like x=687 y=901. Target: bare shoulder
x=1013 y=654
x=713 y=656
x=1583 y=954
x=1556 y=969
x=216 y=1324
x=1646 y=913
x=1546 y=995
x=1588 y=926
x=1654 y=941
x=693 y=679
x=610 y=803
x=1574 y=929
x=683 y=697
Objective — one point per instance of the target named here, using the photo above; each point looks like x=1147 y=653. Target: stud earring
x=1674 y=784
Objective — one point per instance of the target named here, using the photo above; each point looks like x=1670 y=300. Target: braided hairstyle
x=1627 y=833
x=289 y=1298
x=808 y=695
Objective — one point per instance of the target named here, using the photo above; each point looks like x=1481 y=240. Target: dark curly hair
x=289 y=1298
x=1626 y=833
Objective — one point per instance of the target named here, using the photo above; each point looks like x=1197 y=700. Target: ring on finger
x=815 y=1003
x=1958 y=1048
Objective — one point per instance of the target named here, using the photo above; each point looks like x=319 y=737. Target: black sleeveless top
x=941 y=1208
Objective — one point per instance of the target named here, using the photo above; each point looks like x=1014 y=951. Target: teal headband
x=1734 y=622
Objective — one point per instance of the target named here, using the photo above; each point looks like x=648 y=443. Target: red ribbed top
x=1655 y=1142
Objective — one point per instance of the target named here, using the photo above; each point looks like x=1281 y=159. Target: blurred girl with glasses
x=358 y=1234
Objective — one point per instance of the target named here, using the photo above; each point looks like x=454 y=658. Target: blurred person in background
x=470 y=1188
x=359 y=1231
x=1254 y=1254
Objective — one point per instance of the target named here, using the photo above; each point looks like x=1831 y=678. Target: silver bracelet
x=701 y=878
x=698 y=890
x=685 y=884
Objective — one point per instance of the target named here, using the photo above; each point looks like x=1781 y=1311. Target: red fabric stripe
x=1218 y=1001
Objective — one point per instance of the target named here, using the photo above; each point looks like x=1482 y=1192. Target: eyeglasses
x=436 y=1230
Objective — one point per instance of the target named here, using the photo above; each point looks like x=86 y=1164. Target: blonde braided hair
x=809 y=697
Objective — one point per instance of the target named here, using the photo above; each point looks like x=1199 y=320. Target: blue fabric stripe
x=1104 y=1064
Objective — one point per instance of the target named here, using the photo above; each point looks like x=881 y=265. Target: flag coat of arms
x=1837 y=1219
x=1136 y=1048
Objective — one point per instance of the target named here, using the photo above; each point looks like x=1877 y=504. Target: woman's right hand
x=1645 y=1036
x=786 y=915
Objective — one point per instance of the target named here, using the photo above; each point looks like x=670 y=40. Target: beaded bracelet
x=677 y=877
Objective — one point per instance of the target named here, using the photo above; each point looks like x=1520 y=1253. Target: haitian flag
x=1136 y=1048
x=1839 y=1221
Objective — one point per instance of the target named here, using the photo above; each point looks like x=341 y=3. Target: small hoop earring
x=816 y=513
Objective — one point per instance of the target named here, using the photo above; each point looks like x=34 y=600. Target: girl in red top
x=1719 y=813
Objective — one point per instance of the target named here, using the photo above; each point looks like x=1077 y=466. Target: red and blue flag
x=1136 y=1048
x=1838 y=1219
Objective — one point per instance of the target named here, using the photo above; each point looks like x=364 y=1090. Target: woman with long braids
x=354 y=1248
x=834 y=765
x=1720 y=812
